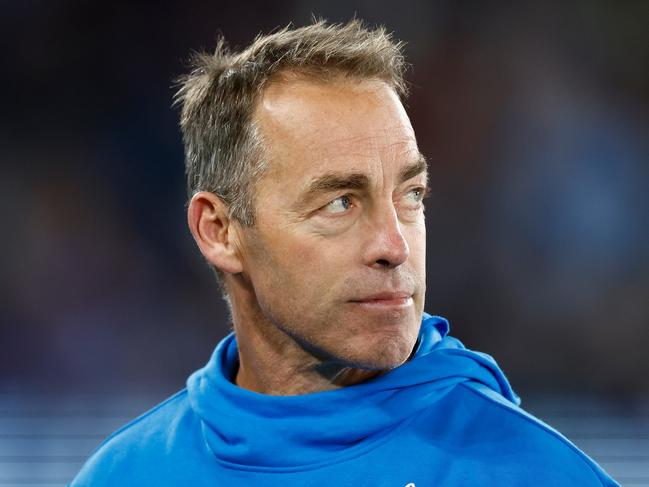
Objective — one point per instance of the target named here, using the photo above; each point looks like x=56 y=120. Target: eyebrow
x=331 y=182
x=411 y=170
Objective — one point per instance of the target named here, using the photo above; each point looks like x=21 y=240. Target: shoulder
x=135 y=454
x=524 y=441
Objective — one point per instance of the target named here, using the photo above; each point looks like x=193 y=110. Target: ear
x=214 y=232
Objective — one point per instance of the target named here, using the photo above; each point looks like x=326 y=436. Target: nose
x=385 y=245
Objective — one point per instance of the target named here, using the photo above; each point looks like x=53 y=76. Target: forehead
x=308 y=127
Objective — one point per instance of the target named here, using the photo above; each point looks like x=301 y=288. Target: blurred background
x=535 y=121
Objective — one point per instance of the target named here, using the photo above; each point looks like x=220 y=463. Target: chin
x=383 y=353
x=385 y=343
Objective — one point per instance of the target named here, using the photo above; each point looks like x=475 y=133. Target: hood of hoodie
x=242 y=427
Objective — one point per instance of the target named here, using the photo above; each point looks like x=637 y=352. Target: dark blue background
x=534 y=118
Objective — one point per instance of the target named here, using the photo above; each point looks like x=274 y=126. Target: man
x=306 y=189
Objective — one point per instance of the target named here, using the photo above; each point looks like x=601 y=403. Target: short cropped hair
x=223 y=148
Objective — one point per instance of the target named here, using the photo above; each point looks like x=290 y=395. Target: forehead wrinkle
x=393 y=151
x=345 y=142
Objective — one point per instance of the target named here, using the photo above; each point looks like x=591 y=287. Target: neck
x=272 y=362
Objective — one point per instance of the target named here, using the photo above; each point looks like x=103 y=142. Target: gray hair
x=223 y=148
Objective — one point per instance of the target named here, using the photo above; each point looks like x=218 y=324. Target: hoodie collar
x=242 y=427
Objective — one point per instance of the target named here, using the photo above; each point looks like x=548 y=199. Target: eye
x=416 y=195
x=339 y=205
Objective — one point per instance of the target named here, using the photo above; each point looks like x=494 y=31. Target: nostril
x=383 y=262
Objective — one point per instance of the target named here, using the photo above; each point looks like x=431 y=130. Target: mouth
x=385 y=300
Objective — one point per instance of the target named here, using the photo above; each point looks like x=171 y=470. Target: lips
x=384 y=302
x=384 y=297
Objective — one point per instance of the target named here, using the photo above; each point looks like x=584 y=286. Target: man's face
x=337 y=254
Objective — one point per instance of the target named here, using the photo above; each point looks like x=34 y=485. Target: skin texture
x=336 y=225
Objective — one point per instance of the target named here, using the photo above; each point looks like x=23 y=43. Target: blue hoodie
x=448 y=416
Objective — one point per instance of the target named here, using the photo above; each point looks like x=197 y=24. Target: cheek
x=296 y=265
x=416 y=238
x=299 y=280
x=311 y=264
